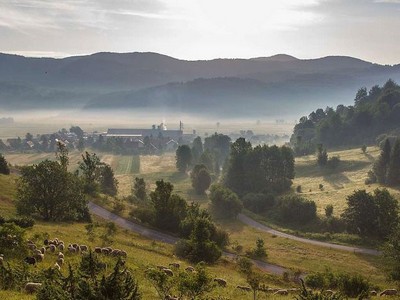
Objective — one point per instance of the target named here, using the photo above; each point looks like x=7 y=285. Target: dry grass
x=338 y=184
x=157 y=164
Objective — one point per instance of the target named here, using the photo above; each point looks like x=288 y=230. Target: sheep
x=61 y=247
x=39 y=257
x=281 y=292
x=37 y=252
x=161 y=267
x=75 y=245
x=46 y=242
x=115 y=252
x=189 y=269
x=72 y=250
x=243 y=288
x=60 y=261
x=31 y=287
x=84 y=248
x=57 y=266
x=105 y=251
x=389 y=292
x=30 y=260
x=60 y=255
x=220 y=281
x=43 y=250
x=97 y=250
x=373 y=293
x=32 y=246
x=168 y=272
x=175 y=265
x=56 y=241
x=52 y=248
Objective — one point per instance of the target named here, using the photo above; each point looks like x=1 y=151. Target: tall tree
x=393 y=173
x=139 y=189
x=201 y=179
x=183 y=158
x=108 y=182
x=89 y=167
x=197 y=149
x=4 y=169
x=224 y=202
x=382 y=164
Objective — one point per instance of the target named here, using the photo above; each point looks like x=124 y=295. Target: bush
x=334 y=224
x=297 y=209
x=353 y=285
x=144 y=214
x=329 y=210
x=298 y=189
x=258 y=202
x=316 y=280
x=321 y=186
x=224 y=202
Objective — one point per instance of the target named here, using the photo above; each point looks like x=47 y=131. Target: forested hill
x=375 y=114
x=278 y=85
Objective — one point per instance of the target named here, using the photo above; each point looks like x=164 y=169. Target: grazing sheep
x=175 y=265
x=75 y=245
x=43 y=250
x=31 y=287
x=46 y=242
x=189 y=269
x=32 y=246
x=84 y=248
x=373 y=293
x=56 y=241
x=97 y=250
x=161 y=267
x=60 y=255
x=37 y=252
x=30 y=260
x=115 y=252
x=168 y=272
x=57 y=266
x=105 y=251
x=220 y=281
x=281 y=292
x=52 y=248
x=389 y=292
x=72 y=250
x=39 y=257
x=60 y=261
x=61 y=247
x=123 y=253
x=243 y=288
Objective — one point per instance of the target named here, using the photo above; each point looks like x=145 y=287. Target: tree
x=393 y=170
x=108 y=182
x=195 y=284
x=260 y=251
x=392 y=253
x=12 y=239
x=360 y=214
x=224 y=202
x=139 y=189
x=48 y=190
x=169 y=208
x=81 y=144
x=197 y=149
x=388 y=212
x=4 y=169
x=201 y=179
x=296 y=209
x=162 y=282
x=62 y=155
x=360 y=96
x=322 y=156
x=382 y=164
x=89 y=167
x=183 y=158
x=77 y=130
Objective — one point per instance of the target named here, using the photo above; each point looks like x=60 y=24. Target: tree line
x=374 y=112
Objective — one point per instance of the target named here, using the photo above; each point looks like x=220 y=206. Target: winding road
x=252 y=223
x=165 y=238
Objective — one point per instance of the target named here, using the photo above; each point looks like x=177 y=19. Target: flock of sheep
x=54 y=246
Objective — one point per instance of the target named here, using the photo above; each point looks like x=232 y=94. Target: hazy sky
x=203 y=29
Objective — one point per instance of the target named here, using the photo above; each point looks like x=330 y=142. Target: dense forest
x=374 y=113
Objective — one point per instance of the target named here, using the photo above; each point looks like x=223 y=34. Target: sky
x=203 y=29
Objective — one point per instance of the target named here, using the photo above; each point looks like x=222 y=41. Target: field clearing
x=157 y=163
x=339 y=183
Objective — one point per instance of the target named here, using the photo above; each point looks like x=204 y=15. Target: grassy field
x=339 y=183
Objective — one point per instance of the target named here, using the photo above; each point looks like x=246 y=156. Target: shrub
x=353 y=285
x=298 y=189
x=258 y=202
x=297 y=209
x=224 y=202
x=315 y=280
x=118 y=206
x=329 y=210
x=321 y=186
x=364 y=148
x=260 y=251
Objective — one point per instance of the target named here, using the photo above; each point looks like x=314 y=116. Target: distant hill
x=280 y=83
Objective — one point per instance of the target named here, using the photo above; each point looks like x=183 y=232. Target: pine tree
x=4 y=169
x=381 y=166
x=393 y=173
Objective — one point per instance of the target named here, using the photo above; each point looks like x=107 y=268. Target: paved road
x=250 y=222
x=162 y=237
